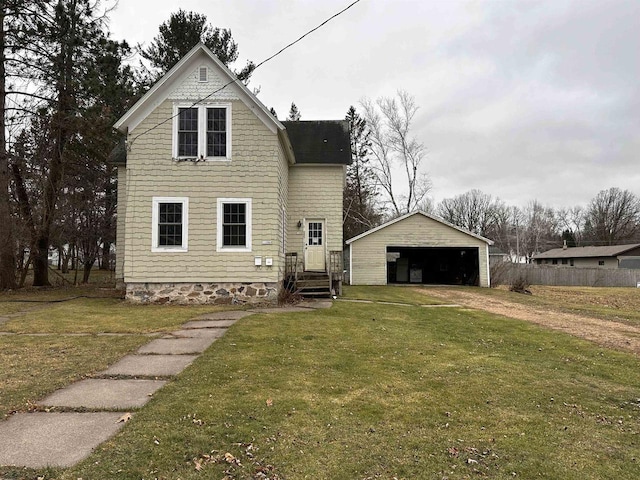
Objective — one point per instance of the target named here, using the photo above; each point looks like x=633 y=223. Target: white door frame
x=315 y=267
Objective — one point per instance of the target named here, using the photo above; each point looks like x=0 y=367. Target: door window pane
x=315 y=233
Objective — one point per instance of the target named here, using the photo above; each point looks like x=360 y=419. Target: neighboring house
x=214 y=192
x=614 y=256
x=497 y=256
x=419 y=248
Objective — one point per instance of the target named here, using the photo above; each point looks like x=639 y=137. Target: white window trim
x=202 y=129
x=155 y=216
x=220 y=217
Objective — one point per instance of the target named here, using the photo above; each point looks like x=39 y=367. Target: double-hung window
x=216 y=132
x=188 y=132
x=170 y=224
x=234 y=225
x=202 y=131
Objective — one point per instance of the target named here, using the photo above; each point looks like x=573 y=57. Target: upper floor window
x=169 y=224
x=187 y=132
x=216 y=132
x=202 y=131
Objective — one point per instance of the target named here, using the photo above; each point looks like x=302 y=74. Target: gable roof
x=320 y=141
x=587 y=252
x=163 y=88
x=424 y=214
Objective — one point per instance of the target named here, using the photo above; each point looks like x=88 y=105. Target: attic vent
x=202 y=74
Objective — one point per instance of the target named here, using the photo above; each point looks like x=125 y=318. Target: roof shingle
x=584 y=252
x=320 y=141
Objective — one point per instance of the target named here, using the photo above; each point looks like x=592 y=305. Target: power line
x=254 y=69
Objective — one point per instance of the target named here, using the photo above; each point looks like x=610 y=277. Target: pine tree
x=183 y=31
x=360 y=212
x=66 y=40
x=294 y=113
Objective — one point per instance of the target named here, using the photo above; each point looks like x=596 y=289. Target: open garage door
x=433 y=265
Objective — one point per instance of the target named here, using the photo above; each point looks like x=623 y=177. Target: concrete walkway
x=63 y=438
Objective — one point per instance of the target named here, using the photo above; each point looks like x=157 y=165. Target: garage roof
x=425 y=214
x=584 y=252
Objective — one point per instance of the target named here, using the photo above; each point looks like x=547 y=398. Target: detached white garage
x=419 y=248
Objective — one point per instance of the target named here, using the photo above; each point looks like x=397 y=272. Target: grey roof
x=583 y=252
x=320 y=141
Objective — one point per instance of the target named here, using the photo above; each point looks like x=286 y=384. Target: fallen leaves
x=232 y=463
x=124 y=418
x=479 y=460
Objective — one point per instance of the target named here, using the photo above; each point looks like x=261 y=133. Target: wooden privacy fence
x=507 y=273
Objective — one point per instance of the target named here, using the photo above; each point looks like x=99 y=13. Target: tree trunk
x=7 y=241
x=86 y=271
x=105 y=263
x=66 y=259
x=41 y=262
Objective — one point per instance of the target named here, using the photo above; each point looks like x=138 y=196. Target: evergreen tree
x=181 y=33
x=294 y=113
x=66 y=43
x=569 y=238
x=360 y=212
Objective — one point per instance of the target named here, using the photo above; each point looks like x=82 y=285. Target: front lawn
x=98 y=315
x=406 y=294
x=366 y=391
x=31 y=367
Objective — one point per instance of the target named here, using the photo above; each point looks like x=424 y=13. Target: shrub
x=520 y=285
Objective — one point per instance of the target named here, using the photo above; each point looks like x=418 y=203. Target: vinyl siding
x=609 y=262
x=120 y=236
x=315 y=192
x=369 y=254
x=283 y=202
x=255 y=171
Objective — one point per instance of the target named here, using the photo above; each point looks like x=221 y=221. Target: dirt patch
x=603 y=332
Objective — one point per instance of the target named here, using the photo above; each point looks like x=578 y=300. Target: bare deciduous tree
x=571 y=221
x=392 y=145
x=474 y=211
x=539 y=231
x=613 y=216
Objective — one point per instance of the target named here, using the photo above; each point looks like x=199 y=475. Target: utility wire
x=254 y=69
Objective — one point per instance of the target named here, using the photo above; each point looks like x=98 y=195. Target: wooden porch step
x=318 y=293
x=313 y=283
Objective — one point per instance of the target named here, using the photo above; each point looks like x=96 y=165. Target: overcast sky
x=521 y=99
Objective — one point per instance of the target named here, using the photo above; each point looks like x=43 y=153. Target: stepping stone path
x=62 y=439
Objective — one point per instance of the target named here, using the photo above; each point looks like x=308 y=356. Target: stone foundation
x=202 y=293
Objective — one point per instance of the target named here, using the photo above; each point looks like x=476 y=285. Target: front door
x=314 y=258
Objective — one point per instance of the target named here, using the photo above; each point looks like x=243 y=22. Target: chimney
x=564 y=244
